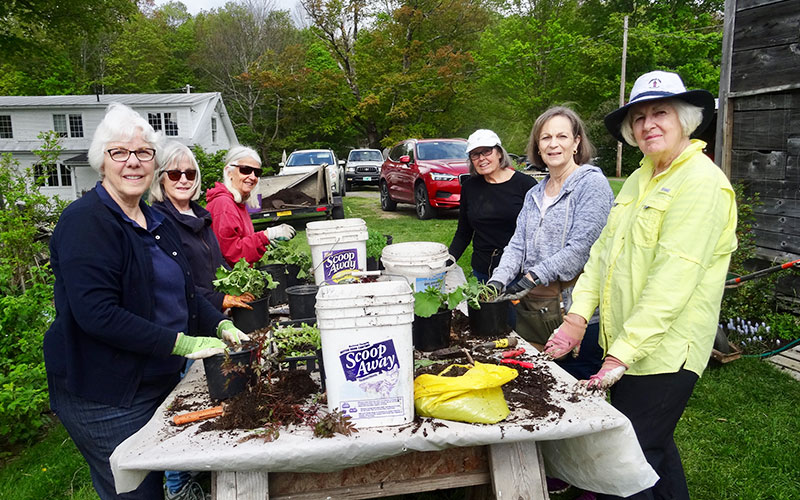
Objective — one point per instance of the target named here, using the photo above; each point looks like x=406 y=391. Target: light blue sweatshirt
x=556 y=247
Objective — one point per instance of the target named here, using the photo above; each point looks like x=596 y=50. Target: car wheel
x=348 y=186
x=424 y=209
x=343 y=186
x=337 y=212
x=387 y=203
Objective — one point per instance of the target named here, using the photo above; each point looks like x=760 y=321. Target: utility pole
x=622 y=88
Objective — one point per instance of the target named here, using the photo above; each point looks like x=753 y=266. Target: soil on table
x=287 y=196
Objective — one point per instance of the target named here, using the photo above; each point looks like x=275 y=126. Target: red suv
x=424 y=172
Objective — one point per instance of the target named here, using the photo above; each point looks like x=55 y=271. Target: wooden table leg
x=517 y=471
x=239 y=485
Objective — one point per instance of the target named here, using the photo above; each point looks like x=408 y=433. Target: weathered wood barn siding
x=760 y=125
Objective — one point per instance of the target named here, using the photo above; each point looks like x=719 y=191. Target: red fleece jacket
x=233 y=227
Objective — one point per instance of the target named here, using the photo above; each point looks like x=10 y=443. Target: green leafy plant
x=292 y=341
x=432 y=300
x=476 y=292
x=243 y=279
x=286 y=253
x=376 y=240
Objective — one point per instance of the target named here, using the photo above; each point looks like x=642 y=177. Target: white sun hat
x=661 y=85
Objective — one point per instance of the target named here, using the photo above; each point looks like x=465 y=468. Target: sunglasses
x=175 y=175
x=247 y=170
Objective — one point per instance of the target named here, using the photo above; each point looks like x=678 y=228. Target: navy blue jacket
x=199 y=245
x=103 y=335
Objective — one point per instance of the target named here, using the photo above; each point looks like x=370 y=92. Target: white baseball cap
x=482 y=138
x=661 y=85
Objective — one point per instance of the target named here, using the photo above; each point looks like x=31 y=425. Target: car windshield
x=365 y=156
x=312 y=158
x=444 y=150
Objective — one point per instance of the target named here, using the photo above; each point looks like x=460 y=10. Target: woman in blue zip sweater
x=560 y=220
x=122 y=331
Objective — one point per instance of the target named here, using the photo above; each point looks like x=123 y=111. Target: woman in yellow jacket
x=657 y=271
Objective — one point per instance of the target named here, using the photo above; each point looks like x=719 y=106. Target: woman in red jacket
x=228 y=203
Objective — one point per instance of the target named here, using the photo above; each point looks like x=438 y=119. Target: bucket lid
x=364 y=294
x=336 y=225
x=415 y=253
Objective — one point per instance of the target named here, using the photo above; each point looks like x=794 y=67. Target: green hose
x=776 y=351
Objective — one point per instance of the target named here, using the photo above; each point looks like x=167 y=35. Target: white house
x=189 y=118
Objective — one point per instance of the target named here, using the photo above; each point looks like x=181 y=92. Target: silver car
x=363 y=167
x=306 y=160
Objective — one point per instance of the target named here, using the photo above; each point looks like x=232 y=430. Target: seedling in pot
x=432 y=300
x=477 y=292
x=243 y=279
x=286 y=253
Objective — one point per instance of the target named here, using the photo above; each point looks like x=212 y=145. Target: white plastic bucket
x=422 y=263
x=367 y=351
x=338 y=247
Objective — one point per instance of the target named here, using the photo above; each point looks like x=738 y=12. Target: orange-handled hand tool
x=523 y=364
x=514 y=353
x=194 y=416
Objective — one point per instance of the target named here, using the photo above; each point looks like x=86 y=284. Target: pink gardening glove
x=567 y=337
x=611 y=371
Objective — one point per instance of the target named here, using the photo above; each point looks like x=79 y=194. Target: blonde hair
x=170 y=154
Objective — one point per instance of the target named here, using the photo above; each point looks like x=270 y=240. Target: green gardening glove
x=229 y=333
x=197 y=347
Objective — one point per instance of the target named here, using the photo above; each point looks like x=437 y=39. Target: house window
x=5 y=127
x=163 y=121
x=54 y=175
x=68 y=128
x=213 y=130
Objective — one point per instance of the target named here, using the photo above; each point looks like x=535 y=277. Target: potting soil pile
x=583 y=439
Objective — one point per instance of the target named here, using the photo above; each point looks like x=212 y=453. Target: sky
x=196 y=6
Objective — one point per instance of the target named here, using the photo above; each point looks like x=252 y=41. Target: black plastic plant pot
x=224 y=386
x=432 y=333
x=278 y=272
x=372 y=264
x=490 y=320
x=292 y=279
x=302 y=301
x=250 y=321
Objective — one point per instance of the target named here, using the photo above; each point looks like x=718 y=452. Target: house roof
x=103 y=100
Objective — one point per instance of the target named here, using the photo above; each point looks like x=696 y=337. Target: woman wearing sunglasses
x=228 y=203
x=175 y=187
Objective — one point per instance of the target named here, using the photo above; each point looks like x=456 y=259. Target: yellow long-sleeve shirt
x=658 y=269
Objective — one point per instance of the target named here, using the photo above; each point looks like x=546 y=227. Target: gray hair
x=505 y=161
x=585 y=147
x=120 y=123
x=237 y=153
x=689 y=115
x=169 y=155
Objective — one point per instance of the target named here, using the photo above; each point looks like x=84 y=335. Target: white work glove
x=229 y=333
x=283 y=232
x=609 y=374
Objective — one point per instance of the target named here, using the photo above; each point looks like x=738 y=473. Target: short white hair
x=235 y=154
x=168 y=157
x=120 y=123
x=689 y=115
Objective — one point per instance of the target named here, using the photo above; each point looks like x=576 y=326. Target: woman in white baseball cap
x=491 y=198
x=657 y=271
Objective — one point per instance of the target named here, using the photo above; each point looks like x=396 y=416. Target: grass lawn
x=738 y=436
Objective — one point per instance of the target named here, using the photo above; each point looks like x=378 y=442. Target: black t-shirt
x=487 y=217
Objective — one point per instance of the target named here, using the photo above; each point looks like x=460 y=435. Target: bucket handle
x=321 y=261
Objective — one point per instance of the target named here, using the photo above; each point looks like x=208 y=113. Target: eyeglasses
x=474 y=155
x=247 y=170
x=175 y=175
x=122 y=154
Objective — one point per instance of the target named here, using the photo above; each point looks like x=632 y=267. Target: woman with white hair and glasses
x=228 y=204
x=175 y=188
x=122 y=331
x=658 y=270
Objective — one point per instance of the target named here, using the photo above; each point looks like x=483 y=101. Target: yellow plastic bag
x=474 y=397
